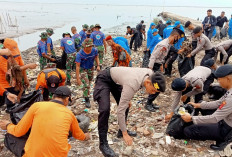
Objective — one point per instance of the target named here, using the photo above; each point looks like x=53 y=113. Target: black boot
x=221 y=145
x=87 y=102
x=151 y=107
x=68 y=83
x=105 y=148
x=130 y=133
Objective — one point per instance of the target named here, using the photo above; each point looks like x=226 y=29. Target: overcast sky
x=203 y=3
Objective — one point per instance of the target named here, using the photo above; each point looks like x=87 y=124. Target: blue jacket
x=122 y=42
x=156 y=39
x=180 y=41
x=230 y=28
x=150 y=35
x=167 y=31
x=213 y=21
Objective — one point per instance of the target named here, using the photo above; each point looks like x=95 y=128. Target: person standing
x=99 y=42
x=67 y=44
x=77 y=38
x=85 y=67
x=149 y=34
x=82 y=33
x=230 y=28
x=134 y=36
x=161 y=27
x=209 y=24
x=220 y=23
x=139 y=28
x=168 y=30
x=51 y=51
x=123 y=83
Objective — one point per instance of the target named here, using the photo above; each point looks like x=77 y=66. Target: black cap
x=178 y=84
x=187 y=24
x=181 y=33
x=197 y=30
x=52 y=83
x=223 y=71
x=63 y=91
x=209 y=63
x=158 y=80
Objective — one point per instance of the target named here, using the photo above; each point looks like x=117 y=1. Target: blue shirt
x=230 y=28
x=77 y=36
x=97 y=37
x=86 y=60
x=68 y=44
x=41 y=48
x=150 y=35
x=49 y=41
x=82 y=35
x=156 y=39
x=180 y=41
x=167 y=31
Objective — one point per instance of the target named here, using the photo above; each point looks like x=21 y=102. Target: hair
x=175 y=32
x=128 y=27
x=223 y=12
x=209 y=10
x=187 y=24
x=73 y=28
x=142 y=21
x=160 y=21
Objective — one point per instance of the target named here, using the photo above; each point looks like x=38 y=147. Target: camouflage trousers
x=86 y=78
x=53 y=52
x=69 y=63
x=43 y=63
x=100 y=50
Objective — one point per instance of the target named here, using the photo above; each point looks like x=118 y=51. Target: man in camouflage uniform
x=51 y=51
x=68 y=46
x=82 y=33
x=84 y=67
x=77 y=38
x=42 y=51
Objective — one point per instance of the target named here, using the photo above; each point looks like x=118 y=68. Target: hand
x=168 y=117
x=128 y=140
x=187 y=117
x=87 y=136
x=130 y=104
x=183 y=98
x=26 y=83
x=98 y=68
x=166 y=65
x=180 y=51
x=162 y=68
x=195 y=105
x=79 y=82
x=6 y=52
x=148 y=49
x=189 y=55
x=49 y=53
x=3 y=124
x=32 y=65
x=12 y=97
x=209 y=25
x=53 y=59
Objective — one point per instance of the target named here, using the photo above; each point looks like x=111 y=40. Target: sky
x=202 y=3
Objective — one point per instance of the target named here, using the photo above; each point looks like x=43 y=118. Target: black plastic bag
x=146 y=58
x=58 y=62
x=19 y=109
x=184 y=65
x=64 y=59
x=176 y=125
x=217 y=92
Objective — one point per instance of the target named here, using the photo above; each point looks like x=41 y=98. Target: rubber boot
x=87 y=102
x=104 y=146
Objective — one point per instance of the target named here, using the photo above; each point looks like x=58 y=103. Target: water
x=38 y=16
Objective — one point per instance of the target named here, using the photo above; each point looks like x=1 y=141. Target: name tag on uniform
x=222 y=104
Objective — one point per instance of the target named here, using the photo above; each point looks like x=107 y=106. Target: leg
x=43 y=63
x=172 y=60
x=101 y=56
x=131 y=41
x=70 y=61
x=86 y=86
x=149 y=105
x=210 y=34
x=208 y=54
x=136 y=41
x=229 y=52
x=218 y=32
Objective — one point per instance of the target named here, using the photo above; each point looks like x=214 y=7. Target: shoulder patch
x=222 y=105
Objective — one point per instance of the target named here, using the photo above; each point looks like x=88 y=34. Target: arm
x=105 y=45
x=224 y=53
x=24 y=124
x=5 y=52
x=48 y=57
x=176 y=100
x=98 y=63
x=28 y=66
x=211 y=104
x=49 y=49
x=153 y=57
x=62 y=48
x=78 y=73
x=76 y=131
x=197 y=88
x=199 y=47
x=214 y=21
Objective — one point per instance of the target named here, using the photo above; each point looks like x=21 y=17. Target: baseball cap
x=87 y=43
x=178 y=84
x=158 y=81
x=91 y=26
x=209 y=63
x=168 y=22
x=50 y=30
x=223 y=71
x=63 y=91
x=154 y=30
x=98 y=25
x=44 y=35
x=177 y=23
x=53 y=83
x=108 y=37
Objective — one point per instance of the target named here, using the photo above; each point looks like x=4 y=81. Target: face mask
x=175 y=41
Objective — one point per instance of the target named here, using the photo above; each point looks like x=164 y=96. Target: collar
x=57 y=101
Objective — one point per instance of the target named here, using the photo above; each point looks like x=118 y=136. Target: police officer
x=157 y=59
x=217 y=126
x=123 y=83
x=225 y=48
x=203 y=42
x=134 y=35
x=195 y=83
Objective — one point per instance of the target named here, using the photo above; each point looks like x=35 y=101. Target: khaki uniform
x=223 y=47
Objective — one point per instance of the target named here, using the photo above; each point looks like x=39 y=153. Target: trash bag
x=19 y=109
x=216 y=92
x=58 y=62
x=146 y=58
x=83 y=122
x=176 y=125
x=63 y=60
x=184 y=65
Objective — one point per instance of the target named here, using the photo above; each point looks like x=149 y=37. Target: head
x=44 y=36
x=177 y=24
x=155 y=83
x=62 y=94
x=85 y=27
x=128 y=29
x=142 y=22
x=92 y=28
x=67 y=35
x=176 y=35
x=224 y=76
x=73 y=30
x=189 y=25
x=179 y=84
x=109 y=40
x=152 y=25
x=50 y=31
x=87 y=45
x=169 y=22
x=53 y=83
x=209 y=12
x=160 y=21
x=222 y=14
x=210 y=64
x=197 y=31
x=155 y=32
x=97 y=27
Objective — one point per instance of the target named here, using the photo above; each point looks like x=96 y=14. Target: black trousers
x=140 y=39
x=104 y=85
x=194 y=46
x=146 y=58
x=170 y=59
x=208 y=54
x=216 y=131
x=135 y=40
x=229 y=52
